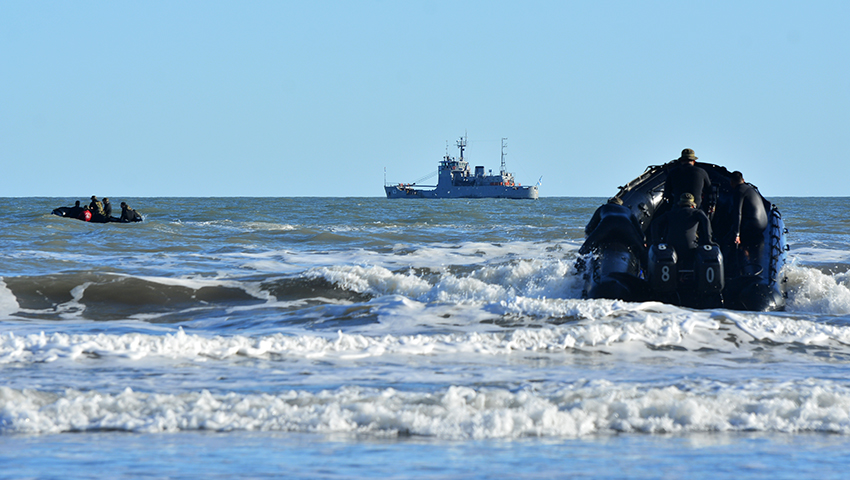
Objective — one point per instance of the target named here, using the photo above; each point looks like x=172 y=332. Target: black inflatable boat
x=79 y=213
x=720 y=276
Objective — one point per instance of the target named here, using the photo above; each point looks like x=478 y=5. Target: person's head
x=123 y=204
x=615 y=201
x=688 y=156
x=736 y=178
x=687 y=200
x=105 y=200
x=77 y=203
x=94 y=197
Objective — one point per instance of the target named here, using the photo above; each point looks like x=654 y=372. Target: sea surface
x=363 y=338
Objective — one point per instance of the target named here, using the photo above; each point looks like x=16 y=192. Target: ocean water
x=375 y=338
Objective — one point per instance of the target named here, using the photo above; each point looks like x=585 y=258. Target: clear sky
x=316 y=98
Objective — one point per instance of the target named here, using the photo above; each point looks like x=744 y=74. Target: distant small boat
x=456 y=180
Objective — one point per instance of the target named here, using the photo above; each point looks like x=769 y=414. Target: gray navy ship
x=456 y=180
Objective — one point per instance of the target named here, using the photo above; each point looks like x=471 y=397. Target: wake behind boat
x=716 y=274
x=456 y=180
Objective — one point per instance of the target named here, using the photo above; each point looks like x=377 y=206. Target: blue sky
x=316 y=98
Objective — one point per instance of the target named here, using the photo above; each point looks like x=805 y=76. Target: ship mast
x=461 y=144
x=504 y=145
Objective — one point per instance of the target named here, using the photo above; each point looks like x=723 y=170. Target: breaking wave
x=579 y=409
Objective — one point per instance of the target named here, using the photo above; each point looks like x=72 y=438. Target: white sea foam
x=788 y=330
x=812 y=291
x=8 y=302
x=574 y=410
x=607 y=324
x=487 y=284
x=374 y=280
x=73 y=308
x=197 y=282
x=431 y=256
x=271 y=227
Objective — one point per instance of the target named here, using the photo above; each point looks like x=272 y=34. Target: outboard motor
x=613 y=273
x=708 y=269
x=663 y=273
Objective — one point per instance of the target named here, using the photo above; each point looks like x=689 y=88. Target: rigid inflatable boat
x=720 y=276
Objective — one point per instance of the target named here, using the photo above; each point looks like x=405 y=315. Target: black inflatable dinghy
x=720 y=275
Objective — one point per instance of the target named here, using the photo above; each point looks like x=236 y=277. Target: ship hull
x=485 y=191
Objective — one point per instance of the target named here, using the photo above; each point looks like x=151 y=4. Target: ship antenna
x=504 y=145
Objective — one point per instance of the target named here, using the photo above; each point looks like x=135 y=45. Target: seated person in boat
x=76 y=210
x=613 y=222
x=684 y=228
x=97 y=211
x=86 y=215
x=96 y=206
x=107 y=209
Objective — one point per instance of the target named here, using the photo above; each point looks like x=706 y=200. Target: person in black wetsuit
x=685 y=177
x=107 y=209
x=613 y=222
x=128 y=214
x=684 y=228
x=749 y=217
x=76 y=210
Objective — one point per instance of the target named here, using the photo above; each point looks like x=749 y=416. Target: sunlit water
x=375 y=338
